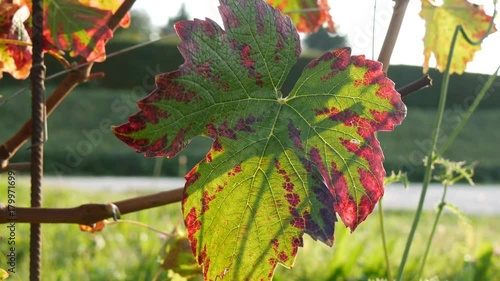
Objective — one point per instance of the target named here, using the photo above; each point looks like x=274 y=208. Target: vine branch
x=89 y=214
x=423 y=82
x=392 y=33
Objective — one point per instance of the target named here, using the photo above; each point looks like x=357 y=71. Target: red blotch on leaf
x=157 y=148
x=203 y=255
x=205 y=201
x=296 y=243
x=351 y=145
x=294 y=134
x=298 y=220
x=229 y=19
x=191 y=177
x=275 y=244
x=217 y=146
x=318 y=162
x=193 y=225
x=236 y=170
x=293 y=199
x=178 y=144
x=283 y=256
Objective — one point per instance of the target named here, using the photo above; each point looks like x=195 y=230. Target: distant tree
x=140 y=28
x=324 y=40
x=169 y=27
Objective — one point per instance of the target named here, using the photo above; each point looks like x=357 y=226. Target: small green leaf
x=280 y=166
x=399 y=177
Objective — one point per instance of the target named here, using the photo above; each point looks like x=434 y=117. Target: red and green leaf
x=15 y=49
x=111 y=5
x=83 y=30
x=441 y=21
x=79 y=27
x=306 y=15
x=280 y=166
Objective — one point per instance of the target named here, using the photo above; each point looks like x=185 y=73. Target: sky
x=354 y=22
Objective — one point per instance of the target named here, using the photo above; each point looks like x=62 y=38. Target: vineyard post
x=37 y=137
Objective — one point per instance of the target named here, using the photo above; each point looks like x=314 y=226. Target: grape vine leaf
x=83 y=30
x=3 y=274
x=15 y=58
x=440 y=23
x=111 y=5
x=306 y=15
x=280 y=166
x=179 y=258
x=69 y=25
x=96 y=227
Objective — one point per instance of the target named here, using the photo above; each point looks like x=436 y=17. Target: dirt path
x=479 y=200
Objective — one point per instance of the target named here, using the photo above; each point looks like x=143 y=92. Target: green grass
x=80 y=126
x=128 y=252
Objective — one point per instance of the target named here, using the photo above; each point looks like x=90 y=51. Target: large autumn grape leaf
x=15 y=49
x=440 y=23
x=279 y=166
x=307 y=15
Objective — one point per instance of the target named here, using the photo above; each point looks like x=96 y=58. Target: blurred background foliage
x=80 y=141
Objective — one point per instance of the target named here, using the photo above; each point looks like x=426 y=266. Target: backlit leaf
x=3 y=274
x=96 y=227
x=81 y=29
x=111 y=5
x=307 y=15
x=14 y=58
x=280 y=166
x=178 y=257
x=440 y=23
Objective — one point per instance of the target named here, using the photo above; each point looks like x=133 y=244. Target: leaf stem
x=384 y=241
x=141 y=225
x=433 y=231
x=486 y=34
x=14 y=42
x=430 y=158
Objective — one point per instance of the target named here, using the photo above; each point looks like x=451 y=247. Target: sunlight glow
x=356 y=24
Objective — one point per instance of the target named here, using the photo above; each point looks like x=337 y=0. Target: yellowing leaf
x=3 y=274
x=306 y=15
x=14 y=58
x=441 y=21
